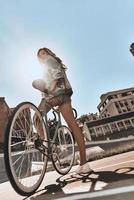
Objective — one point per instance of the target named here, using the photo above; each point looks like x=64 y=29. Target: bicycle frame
x=45 y=119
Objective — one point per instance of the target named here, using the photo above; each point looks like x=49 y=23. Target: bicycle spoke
x=17 y=133
x=21 y=128
x=20 y=167
x=22 y=142
x=21 y=122
x=26 y=164
x=63 y=155
x=17 y=159
x=25 y=119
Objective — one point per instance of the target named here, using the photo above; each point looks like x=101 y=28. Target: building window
x=120 y=124
x=132 y=121
x=110 y=97
x=115 y=96
x=129 y=93
x=129 y=109
x=107 y=100
x=98 y=129
x=106 y=128
x=126 y=104
x=121 y=104
x=119 y=95
x=119 y=111
x=113 y=126
x=132 y=102
x=101 y=108
x=124 y=94
x=116 y=104
x=127 y=123
x=91 y=131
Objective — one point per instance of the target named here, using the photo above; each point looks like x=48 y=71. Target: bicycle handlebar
x=75 y=113
x=55 y=118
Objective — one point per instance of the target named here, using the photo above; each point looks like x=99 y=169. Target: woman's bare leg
x=67 y=113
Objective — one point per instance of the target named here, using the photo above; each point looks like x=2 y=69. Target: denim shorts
x=55 y=101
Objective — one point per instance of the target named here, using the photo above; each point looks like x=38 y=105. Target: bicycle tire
x=11 y=150
x=63 y=152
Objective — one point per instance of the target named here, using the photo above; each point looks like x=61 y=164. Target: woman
x=57 y=90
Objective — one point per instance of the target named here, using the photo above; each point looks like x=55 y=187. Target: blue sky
x=91 y=36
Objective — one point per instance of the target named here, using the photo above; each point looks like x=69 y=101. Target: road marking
x=103 y=193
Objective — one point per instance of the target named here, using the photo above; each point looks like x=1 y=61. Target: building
x=115 y=118
x=116 y=102
x=4 y=115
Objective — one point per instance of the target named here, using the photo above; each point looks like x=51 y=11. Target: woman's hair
x=132 y=46
x=49 y=52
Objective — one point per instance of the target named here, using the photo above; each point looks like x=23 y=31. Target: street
x=112 y=176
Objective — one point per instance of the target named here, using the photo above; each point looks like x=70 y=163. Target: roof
x=103 y=97
x=2 y=99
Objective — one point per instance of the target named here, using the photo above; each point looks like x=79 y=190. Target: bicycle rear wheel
x=25 y=164
x=63 y=151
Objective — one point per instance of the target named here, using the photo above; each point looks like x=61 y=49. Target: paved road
x=112 y=176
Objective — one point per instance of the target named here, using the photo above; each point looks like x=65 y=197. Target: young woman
x=57 y=90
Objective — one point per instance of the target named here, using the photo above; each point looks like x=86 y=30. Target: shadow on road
x=111 y=178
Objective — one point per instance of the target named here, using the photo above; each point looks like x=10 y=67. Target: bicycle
x=26 y=153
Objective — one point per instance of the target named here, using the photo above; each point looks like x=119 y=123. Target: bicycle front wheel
x=63 y=151
x=24 y=162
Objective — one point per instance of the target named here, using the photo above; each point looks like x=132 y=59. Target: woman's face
x=42 y=54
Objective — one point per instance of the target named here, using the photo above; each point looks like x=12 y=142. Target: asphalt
x=112 y=179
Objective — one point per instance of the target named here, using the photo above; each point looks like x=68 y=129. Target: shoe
x=84 y=169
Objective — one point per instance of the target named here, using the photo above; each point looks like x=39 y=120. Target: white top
x=52 y=71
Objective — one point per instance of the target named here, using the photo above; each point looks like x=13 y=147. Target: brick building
x=4 y=114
